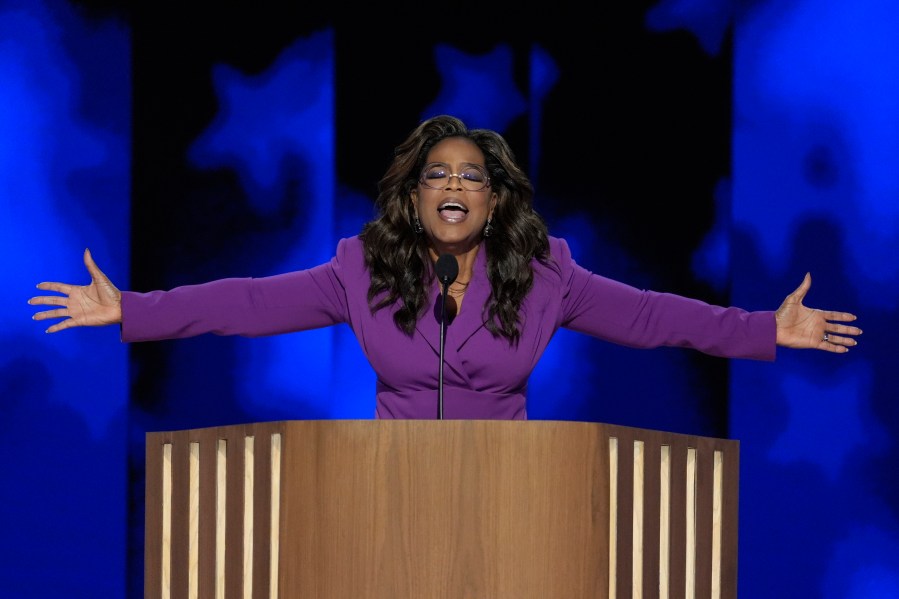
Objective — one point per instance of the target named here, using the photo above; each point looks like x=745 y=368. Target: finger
x=60 y=287
x=838 y=316
x=844 y=330
x=59 y=326
x=833 y=347
x=841 y=340
x=45 y=314
x=48 y=300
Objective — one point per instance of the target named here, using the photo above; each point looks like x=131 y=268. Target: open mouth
x=454 y=207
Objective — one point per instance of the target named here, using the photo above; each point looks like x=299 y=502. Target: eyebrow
x=462 y=164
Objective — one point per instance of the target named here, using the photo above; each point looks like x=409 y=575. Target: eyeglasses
x=437 y=175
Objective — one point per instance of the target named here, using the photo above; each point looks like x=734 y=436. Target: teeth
x=452 y=206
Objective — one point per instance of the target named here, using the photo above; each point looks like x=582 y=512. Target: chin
x=455 y=243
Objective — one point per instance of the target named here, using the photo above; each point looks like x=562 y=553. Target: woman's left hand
x=806 y=328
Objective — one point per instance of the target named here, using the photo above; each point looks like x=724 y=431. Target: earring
x=416 y=225
x=488 y=228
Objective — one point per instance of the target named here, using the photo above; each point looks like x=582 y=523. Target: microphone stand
x=447 y=269
x=442 y=344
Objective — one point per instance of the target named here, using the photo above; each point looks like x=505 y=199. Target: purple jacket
x=484 y=378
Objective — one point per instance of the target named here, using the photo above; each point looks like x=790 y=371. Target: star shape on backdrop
x=265 y=120
x=479 y=89
x=825 y=424
x=707 y=19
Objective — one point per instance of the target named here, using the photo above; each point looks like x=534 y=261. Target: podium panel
x=439 y=509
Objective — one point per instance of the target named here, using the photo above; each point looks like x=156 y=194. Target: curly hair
x=398 y=260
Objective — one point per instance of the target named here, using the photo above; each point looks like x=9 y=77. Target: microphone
x=447 y=269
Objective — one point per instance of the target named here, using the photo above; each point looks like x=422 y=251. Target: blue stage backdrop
x=65 y=139
x=816 y=188
x=714 y=149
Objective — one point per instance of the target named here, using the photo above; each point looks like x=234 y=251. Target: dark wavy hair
x=398 y=260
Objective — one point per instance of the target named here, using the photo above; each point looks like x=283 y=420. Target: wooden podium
x=415 y=509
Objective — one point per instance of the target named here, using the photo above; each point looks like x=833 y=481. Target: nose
x=449 y=178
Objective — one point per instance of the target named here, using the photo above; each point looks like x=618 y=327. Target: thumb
x=92 y=268
x=803 y=288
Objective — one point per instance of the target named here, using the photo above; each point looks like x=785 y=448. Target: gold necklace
x=460 y=291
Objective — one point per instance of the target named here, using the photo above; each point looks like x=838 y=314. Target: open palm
x=96 y=304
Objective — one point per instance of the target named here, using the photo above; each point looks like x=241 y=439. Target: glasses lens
x=437 y=176
x=473 y=178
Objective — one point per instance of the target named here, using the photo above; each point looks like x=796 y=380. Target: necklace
x=460 y=289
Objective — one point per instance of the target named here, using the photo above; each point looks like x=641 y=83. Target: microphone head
x=447 y=268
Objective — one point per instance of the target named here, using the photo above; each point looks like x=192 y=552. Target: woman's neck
x=456 y=290
x=466 y=262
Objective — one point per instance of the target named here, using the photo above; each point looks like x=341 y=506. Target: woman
x=450 y=190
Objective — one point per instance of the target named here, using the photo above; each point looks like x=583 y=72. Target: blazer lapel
x=471 y=318
x=465 y=324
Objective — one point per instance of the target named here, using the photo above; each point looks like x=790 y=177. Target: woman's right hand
x=97 y=304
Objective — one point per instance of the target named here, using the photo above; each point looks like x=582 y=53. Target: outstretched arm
x=807 y=328
x=97 y=304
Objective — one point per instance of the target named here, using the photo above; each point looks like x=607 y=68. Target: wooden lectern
x=439 y=509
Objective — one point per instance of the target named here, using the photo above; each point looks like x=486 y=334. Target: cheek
x=425 y=202
x=489 y=206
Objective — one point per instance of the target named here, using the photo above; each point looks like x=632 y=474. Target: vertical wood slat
x=664 y=585
x=221 y=520
x=249 y=472
x=637 y=518
x=614 y=465
x=193 y=532
x=275 y=522
x=690 y=503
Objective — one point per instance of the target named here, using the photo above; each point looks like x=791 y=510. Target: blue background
x=711 y=148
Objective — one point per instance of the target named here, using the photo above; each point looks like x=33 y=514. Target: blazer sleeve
x=638 y=318
x=250 y=307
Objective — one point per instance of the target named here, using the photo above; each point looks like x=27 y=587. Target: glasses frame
x=423 y=181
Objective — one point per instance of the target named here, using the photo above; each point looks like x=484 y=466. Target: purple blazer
x=484 y=377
